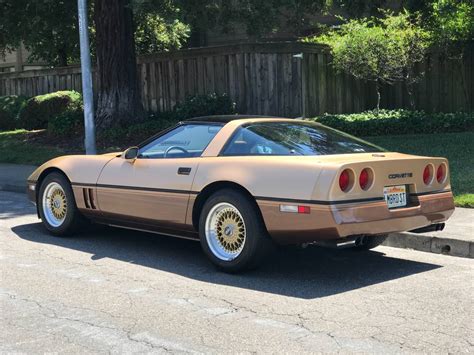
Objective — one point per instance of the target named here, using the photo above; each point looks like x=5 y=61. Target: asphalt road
x=118 y=291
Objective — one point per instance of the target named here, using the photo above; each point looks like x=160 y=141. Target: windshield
x=293 y=138
x=184 y=141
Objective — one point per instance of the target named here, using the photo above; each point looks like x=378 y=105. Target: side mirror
x=130 y=154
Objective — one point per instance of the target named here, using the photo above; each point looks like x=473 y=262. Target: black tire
x=370 y=242
x=73 y=220
x=257 y=243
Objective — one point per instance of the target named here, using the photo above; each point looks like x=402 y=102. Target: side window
x=185 y=141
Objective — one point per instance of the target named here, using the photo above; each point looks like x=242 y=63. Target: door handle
x=184 y=171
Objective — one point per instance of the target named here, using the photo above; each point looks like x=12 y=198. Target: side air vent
x=91 y=199
x=88 y=195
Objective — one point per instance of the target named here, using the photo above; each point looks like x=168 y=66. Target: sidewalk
x=456 y=239
x=13 y=176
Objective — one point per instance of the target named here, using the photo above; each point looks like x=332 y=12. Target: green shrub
x=205 y=105
x=67 y=123
x=10 y=106
x=395 y=122
x=40 y=109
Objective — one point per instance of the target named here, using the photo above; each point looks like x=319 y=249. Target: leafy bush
x=10 y=106
x=205 y=105
x=39 y=110
x=155 y=34
x=395 y=122
x=67 y=123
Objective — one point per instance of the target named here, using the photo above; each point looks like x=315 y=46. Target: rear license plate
x=395 y=196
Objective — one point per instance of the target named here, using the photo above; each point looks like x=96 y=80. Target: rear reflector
x=295 y=209
x=303 y=209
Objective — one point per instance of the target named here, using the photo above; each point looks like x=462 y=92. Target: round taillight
x=364 y=179
x=427 y=175
x=441 y=173
x=344 y=180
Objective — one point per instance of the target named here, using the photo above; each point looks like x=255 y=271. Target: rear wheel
x=57 y=206
x=371 y=241
x=232 y=232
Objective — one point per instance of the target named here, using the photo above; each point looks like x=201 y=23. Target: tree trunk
x=377 y=88
x=118 y=101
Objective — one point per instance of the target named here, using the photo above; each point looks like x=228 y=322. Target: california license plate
x=395 y=196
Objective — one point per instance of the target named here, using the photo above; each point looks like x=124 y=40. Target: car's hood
x=77 y=168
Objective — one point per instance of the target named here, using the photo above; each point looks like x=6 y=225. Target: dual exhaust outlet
x=348 y=242
x=356 y=241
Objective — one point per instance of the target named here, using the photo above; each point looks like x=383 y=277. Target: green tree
x=49 y=31
x=450 y=22
x=451 y=27
x=382 y=50
x=154 y=34
x=47 y=28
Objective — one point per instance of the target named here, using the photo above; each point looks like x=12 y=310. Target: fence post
x=303 y=84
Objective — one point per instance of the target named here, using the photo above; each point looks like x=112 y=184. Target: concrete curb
x=431 y=244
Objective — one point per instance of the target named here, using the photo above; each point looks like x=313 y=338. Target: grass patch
x=457 y=147
x=18 y=147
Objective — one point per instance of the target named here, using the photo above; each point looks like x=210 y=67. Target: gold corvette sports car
x=239 y=183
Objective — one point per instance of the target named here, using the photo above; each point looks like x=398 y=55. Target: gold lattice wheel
x=54 y=203
x=230 y=229
x=58 y=204
x=225 y=231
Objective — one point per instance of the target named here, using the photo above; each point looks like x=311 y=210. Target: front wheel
x=57 y=206
x=232 y=232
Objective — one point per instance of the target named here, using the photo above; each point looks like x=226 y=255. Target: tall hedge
x=394 y=122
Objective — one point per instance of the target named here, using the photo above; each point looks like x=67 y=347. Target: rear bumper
x=339 y=221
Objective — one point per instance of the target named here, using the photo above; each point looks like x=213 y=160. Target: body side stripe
x=123 y=187
x=262 y=198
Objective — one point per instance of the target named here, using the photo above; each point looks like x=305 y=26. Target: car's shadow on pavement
x=309 y=273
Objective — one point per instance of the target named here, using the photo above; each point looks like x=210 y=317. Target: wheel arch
x=212 y=188
x=43 y=175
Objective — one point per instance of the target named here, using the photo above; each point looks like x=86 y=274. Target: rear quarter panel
x=277 y=177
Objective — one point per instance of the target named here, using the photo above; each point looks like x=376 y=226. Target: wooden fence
x=267 y=79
